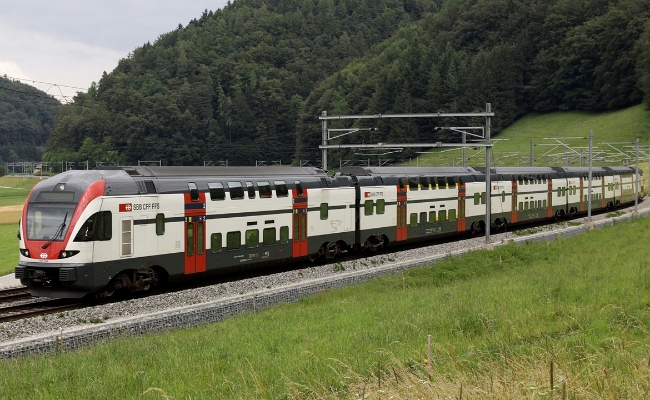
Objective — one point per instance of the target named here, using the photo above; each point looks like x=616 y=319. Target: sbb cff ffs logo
x=127 y=207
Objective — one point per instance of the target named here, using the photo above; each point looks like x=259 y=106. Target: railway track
x=14 y=294
x=21 y=311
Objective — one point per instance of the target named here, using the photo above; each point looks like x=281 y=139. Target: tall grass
x=497 y=319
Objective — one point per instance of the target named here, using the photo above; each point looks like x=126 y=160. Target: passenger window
x=442 y=184
x=281 y=189
x=432 y=217
x=424 y=183
x=194 y=191
x=452 y=215
x=105 y=231
x=414 y=220
x=413 y=183
x=477 y=199
x=160 y=224
x=252 y=238
x=521 y=206
x=299 y=191
x=381 y=206
x=423 y=217
x=251 y=190
x=215 y=243
x=503 y=197
x=265 y=189
x=216 y=191
x=268 y=236
x=368 y=207
x=236 y=190
x=483 y=198
x=433 y=183
x=233 y=240
x=442 y=215
x=284 y=234
x=451 y=182
x=324 y=211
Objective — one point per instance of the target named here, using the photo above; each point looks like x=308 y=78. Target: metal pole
x=591 y=141
x=324 y=152
x=530 y=160
x=488 y=182
x=464 y=149
x=636 y=187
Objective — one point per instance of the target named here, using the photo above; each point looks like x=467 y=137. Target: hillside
x=248 y=82
x=26 y=119
x=618 y=126
x=520 y=56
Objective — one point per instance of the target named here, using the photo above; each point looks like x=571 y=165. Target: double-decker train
x=93 y=232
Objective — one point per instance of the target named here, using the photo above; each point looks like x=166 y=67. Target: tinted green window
x=503 y=197
x=160 y=224
x=442 y=215
x=105 y=230
x=368 y=206
x=432 y=217
x=284 y=234
x=190 y=240
x=200 y=238
x=477 y=199
x=217 y=191
x=268 y=236
x=381 y=206
x=215 y=243
x=233 y=240
x=236 y=190
x=250 y=189
x=281 y=188
x=324 y=211
x=296 y=228
x=442 y=184
x=452 y=215
x=424 y=183
x=544 y=202
x=265 y=189
x=413 y=183
x=414 y=220
x=521 y=205
x=483 y=198
x=252 y=238
x=194 y=191
x=423 y=218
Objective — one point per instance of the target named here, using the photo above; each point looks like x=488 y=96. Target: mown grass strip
x=497 y=316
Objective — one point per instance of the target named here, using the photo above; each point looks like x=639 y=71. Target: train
x=91 y=233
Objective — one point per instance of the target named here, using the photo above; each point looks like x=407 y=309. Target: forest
x=248 y=82
x=26 y=119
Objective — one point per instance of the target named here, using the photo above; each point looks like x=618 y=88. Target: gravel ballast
x=78 y=328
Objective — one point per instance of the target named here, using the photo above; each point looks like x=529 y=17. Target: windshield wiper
x=58 y=232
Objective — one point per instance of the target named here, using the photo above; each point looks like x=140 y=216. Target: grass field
x=614 y=126
x=8 y=248
x=497 y=318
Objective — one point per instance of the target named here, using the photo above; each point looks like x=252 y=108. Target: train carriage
x=94 y=232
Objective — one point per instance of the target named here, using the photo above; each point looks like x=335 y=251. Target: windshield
x=45 y=220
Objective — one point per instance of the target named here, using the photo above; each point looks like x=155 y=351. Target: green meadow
x=498 y=320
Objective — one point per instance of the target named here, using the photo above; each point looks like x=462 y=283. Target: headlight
x=24 y=252
x=68 y=253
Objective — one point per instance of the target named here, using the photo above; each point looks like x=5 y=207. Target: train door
x=401 y=210
x=195 y=244
x=194 y=231
x=299 y=248
x=461 y=207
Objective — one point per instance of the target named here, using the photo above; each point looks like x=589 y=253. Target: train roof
x=406 y=171
x=211 y=171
